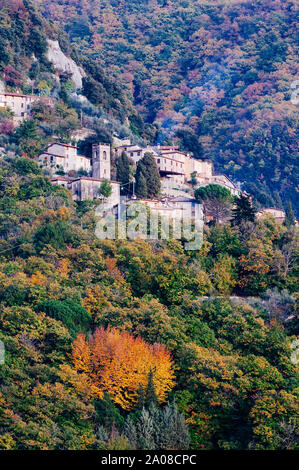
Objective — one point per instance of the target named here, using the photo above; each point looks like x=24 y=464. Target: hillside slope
x=235 y=381
x=223 y=70
x=36 y=56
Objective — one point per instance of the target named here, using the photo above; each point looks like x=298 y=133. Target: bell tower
x=101 y=163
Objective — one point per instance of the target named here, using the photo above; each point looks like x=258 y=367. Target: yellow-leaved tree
x=117 y=363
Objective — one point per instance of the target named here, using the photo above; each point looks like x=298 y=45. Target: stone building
x=202 y=168
x=19 y=104
x=225 y=182
x=85 y=188
x=65 y=157
x=279 y=214
x=101 y=161
x=59 y=156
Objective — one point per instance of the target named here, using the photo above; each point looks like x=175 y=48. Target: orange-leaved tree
x=117 y=363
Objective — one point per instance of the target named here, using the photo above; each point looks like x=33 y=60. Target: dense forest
x=79 y=315
x=121 y=344
x=220 y=70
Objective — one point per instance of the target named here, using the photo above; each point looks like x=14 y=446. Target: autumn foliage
x=118 y=363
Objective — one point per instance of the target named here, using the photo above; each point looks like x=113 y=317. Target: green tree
x=58 y=234
x=193 y=180
x=27 y=138
x=25 y=166
x=243 y=210
x=148 y=168
x=123 y=171
x=217 y=201
x=290 y=217
x=105 y=189
x=108 y=414
x=141 y=186
x=71 y=314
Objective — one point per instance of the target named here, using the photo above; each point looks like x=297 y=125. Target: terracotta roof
x=18 y=94
x=89 y=178
x=175 y=151
x=63 y=145
x=125 y=146
x=59 y=178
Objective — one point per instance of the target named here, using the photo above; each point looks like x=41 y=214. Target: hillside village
x=83 y=176
x=175 y=168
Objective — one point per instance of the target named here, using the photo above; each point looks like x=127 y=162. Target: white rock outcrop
x=64 y=63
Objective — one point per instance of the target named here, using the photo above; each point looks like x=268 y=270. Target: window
x=104 y=155
x=158 y=160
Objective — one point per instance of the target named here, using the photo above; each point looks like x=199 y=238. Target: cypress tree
x=152 y=175
x=141 y=186
x=123 y=171
x=148 y=168
x=290 y=218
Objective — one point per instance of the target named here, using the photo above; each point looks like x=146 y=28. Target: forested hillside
x=227 y=363
x=219 y=69
x=122 y=344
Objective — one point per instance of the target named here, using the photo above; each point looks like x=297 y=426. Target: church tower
x=101 y=163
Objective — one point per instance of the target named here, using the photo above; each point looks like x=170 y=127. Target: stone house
x=279 y=214
x=85 y=188
x=19 y=104
x=59 y=156
x=225 y=182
